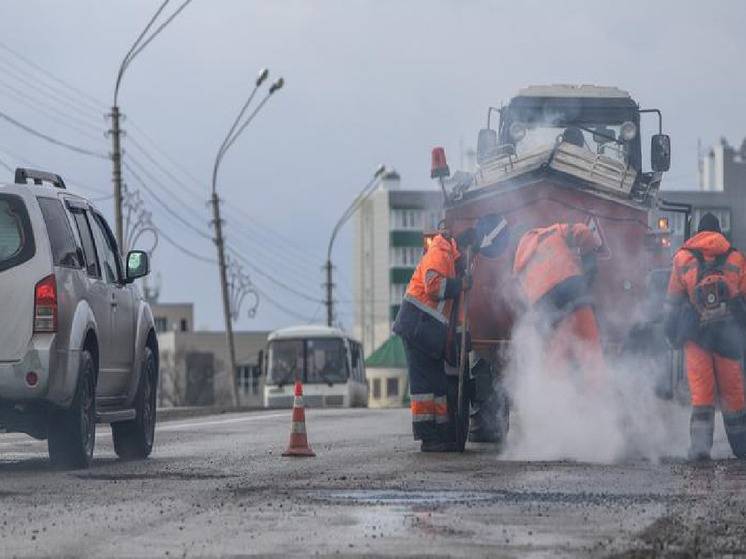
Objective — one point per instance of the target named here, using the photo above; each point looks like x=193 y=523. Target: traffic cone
x=298 y=445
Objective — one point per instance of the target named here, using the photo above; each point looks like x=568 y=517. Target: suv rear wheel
x=134 y=439
x=72 y=432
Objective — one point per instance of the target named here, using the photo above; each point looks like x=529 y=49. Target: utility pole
x=223 y=269
x=329 y=301
x=116 y=133
x=235 y=130
x=116 y=161
x=359 y=199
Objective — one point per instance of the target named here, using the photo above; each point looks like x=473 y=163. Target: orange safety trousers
x=712 y=376
x=576 y=343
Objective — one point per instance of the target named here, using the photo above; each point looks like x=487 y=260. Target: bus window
x=357 y=362
x=326 y=361
x=285 y=361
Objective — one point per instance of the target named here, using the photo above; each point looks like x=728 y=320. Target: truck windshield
x=312 y=360
x=595 y=125
x=598 y=138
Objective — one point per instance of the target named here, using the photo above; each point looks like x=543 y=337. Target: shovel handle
x=462 y=353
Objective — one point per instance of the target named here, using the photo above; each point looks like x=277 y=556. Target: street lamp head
x=263 y=75
x=277 y=85
x=379 y=171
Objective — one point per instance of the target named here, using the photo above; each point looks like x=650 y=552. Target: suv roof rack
x=22 y=176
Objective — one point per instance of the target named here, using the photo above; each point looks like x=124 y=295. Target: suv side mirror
x=486 y=144
x=660 y=153
x=138 y=265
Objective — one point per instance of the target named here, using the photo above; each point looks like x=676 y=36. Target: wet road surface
x=217 y=486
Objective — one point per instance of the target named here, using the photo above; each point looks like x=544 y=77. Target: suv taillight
x=45 y=305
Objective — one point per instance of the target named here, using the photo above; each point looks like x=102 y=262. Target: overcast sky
x=366 y=82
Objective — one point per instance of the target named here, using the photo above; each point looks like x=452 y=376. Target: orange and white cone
x=298 y=440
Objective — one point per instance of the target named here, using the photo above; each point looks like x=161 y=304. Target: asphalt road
x=217 y=486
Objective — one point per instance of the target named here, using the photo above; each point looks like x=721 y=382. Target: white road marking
x=195 y=424
x=20 y=439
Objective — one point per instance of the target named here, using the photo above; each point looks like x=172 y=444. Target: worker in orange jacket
x=709 y=281
x=554 y=266
x=423 y=322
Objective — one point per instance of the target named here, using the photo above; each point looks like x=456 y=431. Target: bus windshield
x=313 y=360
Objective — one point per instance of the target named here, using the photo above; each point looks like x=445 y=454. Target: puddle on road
x=402 y=498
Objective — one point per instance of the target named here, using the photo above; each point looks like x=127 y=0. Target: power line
x=52 y=140
x=272 y=278
x=164 y=205
x=237 y=254
x=281 y=307
x=262 y=248
x=70 y=181
x=153 y=179
x=183 y=249
x=4 y=164
x=50 y=112
x=94 y=104
x=257 y=229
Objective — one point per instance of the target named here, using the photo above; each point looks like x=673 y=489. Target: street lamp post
x=359 y=199
x=230 y=138
x=116 y=132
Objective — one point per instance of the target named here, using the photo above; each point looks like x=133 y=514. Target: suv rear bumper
x=56 y=371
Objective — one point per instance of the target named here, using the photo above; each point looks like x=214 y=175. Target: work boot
x=701 y=427
x=735 y=429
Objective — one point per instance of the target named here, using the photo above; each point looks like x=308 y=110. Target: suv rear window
x=64 y=249
x=16 y=238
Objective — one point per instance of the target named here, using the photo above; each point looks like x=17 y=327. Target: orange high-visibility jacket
x=547 y=256
x=427 y=288
x=685 y=266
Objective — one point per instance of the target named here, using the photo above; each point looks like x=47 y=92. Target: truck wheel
x=72 y=432
x=133 y=440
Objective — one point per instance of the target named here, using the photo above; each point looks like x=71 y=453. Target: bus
x=329 y=362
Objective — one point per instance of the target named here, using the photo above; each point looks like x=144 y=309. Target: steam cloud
x=555 y=415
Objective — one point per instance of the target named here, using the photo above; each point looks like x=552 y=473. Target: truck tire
x=72 y=432
x=133 y=440
x=490 y=404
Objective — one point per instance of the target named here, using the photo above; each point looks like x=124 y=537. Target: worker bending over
x=708 y=283
x=423 y=322
x=554 y=266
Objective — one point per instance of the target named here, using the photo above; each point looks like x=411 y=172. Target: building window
x=248 y=379
x=405 y=256
x=392 y=387
x=184 y=325
x=407 y=219
x=397 y=292
x=161 y=324
x=376 y=389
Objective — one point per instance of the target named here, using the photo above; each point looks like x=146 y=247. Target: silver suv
x=77 y=340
